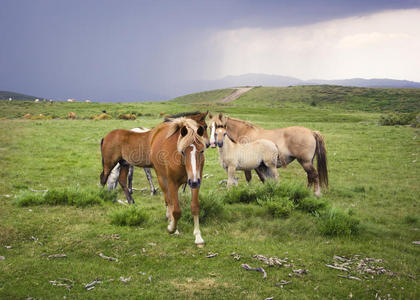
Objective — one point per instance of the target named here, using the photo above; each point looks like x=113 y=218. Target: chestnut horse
x=293 y=143
x=177 y=155
x=133 y=148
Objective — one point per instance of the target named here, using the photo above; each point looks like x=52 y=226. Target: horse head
x=191 y=144
x=197 y=116
x=217 y=129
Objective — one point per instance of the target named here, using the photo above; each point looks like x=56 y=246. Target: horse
x=293 y=143
x=259 y=154
x=113 y=177
x=133 y=148
x=177 y=155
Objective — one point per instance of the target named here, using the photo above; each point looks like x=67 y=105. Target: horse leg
x=174 y=206
x=195 y=209
x=149 y=178
x=248 y=176
x=313 y=178
x=164 y=187
x=112 y=180
x=260 y=174
x=231 y=177
x=130 y=179
x=123 y=182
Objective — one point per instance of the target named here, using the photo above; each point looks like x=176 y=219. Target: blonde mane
x=191 y=136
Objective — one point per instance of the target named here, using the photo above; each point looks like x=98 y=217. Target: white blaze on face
x=212 y=140
x=193 y=162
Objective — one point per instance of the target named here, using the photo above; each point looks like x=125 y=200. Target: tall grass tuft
x=74 y=197
x=212 y=207
x=337 y=222
x=129 y=216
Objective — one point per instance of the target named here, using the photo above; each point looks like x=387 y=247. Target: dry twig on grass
x=210 y=255
x=249 y=268
x=91 y=286
x=271 y=261
x=349 y=277
x=110 y=258
x=57 y=256
x=68 y=283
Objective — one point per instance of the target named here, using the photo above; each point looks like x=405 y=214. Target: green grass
x=371 y=208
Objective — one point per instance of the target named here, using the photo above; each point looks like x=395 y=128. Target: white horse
x=260 y=155
x=115 y=173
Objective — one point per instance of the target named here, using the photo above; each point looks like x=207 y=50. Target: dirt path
x=236 y=94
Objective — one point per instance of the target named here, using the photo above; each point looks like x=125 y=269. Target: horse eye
x=202 y=151
x=205 y=126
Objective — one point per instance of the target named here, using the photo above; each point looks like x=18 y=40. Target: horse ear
x=204 y=116
x=200 y=131
x=220 y=116
x=184 y=131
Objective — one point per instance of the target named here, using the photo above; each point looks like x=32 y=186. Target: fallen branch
x=349 y=277
x=62 y=282
x=125 y=280
x=249 y=268
x=337 y=268
x=38 y=191
x=282 y=282
x=223 y=181
x=416 y=242
x=91 y=286
x=210 y=255
x=57 y=256
x=140 y=190
x=300 y=271
x=122 y=202
x=110 y=258
x=271 y=261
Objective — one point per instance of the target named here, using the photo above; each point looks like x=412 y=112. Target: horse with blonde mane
x=260 y=155
x=177 y=155
x=293 y=143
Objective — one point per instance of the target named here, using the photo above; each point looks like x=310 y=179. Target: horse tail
x=102 y=153
x=102 y=177
x=321 y=157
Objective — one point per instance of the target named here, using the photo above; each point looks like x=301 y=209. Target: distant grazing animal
x=88 y=101
x=133 y=148
x=71 y=115
x=71 y=100
x=174 y=149
x=10 y=99
x=293 y=143
x=115 y=173
x=27 y=116
x=260 y=155
x=36 y=100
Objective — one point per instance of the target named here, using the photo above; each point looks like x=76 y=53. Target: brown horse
x=293 y=143
x=177 y=155
x=133 y=148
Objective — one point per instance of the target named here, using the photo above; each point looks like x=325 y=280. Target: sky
x=141 y=50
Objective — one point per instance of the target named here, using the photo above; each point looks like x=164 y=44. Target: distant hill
x=277 y=80
x=5 y=95
x=354 y=98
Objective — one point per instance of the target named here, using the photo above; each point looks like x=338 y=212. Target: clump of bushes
x=129 y=216
x=395 y=118
x=127 y=117
x=103 y=116
x=74 y=197
x=211 y=203
x=335 y=222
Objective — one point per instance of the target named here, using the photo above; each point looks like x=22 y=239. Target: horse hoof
x=200 y=245
x=175 y=233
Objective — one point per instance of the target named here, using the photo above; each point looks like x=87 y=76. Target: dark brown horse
x=293 y=143
x=133 y=148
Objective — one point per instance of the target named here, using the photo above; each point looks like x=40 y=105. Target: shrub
x=279 y=206
x=211 y=207
x=311 y=204
x=392 y=119
x=76 y=197
x=128 y=216
x=336 y=222
x=127 y=117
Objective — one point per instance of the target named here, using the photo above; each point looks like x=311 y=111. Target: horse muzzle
x=194 y=184
x=220 y=144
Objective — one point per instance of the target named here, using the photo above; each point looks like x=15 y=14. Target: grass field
x=374 y=183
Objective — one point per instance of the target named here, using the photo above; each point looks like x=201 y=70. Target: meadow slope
x=374 y=178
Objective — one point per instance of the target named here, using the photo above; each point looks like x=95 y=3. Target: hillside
x=353 y=98
x=5 y=95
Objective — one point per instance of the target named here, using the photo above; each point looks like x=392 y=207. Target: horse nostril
x=199 y=181
x=189 y=182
